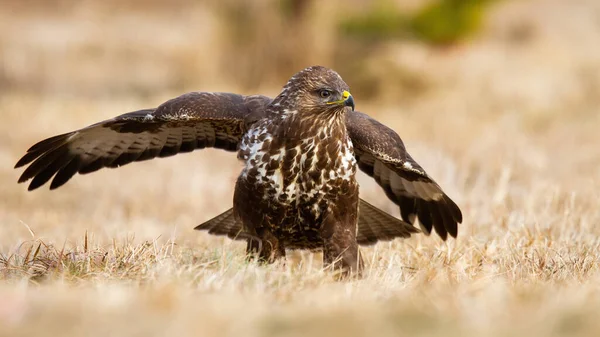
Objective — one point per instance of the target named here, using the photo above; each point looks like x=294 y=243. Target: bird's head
x=316 y=90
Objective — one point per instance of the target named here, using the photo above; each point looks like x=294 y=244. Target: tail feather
x=373 y=225
x=224 y=224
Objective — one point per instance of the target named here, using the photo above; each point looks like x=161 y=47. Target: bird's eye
x=325 y=93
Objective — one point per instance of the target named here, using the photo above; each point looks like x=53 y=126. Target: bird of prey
x=301 y=151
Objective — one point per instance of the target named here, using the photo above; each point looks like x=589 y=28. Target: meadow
x=507 y=123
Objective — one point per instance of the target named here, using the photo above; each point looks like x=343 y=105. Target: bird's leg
x=266 y=246
x=340 y=250
x=253 y=246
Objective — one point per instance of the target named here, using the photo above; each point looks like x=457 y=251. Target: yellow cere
x=345 y=95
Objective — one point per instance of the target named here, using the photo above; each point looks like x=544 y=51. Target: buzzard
x=301 y=151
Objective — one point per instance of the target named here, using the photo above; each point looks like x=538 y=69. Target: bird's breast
x=298 y=172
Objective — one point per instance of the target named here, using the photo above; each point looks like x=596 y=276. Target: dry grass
x=506 y=124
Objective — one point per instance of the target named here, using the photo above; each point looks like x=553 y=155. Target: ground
x=506 y=124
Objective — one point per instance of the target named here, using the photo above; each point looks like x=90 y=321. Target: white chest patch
x=300 y=173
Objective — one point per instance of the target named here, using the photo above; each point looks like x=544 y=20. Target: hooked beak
x=348 y=100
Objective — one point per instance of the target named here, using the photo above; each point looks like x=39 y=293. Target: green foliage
x=440 y=22
x=448 y=21
x=382 y=21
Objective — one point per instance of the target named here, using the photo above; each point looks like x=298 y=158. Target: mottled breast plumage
x=297 y=164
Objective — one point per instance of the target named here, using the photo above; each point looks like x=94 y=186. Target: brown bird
x=297 y=189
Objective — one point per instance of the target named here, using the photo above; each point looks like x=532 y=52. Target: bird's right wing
x=191 y=121
x=381 y=154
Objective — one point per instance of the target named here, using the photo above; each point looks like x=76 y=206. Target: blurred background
x=531 y=54
x=496 y=98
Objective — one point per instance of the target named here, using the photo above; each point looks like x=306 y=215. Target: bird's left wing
x=381 y=154
x=191 y=121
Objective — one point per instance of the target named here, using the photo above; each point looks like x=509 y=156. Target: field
x=507 y=123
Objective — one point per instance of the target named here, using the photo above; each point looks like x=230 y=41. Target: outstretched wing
x=381 y=154
x=191 y=121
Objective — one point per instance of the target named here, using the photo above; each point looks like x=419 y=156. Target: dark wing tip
x=37 y=181
x=452 y=216
x=41 y=147
x=456 y=212
x=22 y=179
x=32 y=186
x=26 y=159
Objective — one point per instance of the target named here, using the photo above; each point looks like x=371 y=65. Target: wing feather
x=60 y=159
x=192 y=121
x=380 y=153
x=65 y=173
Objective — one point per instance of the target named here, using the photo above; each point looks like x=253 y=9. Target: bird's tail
x=224 y=224
x=373 y=225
